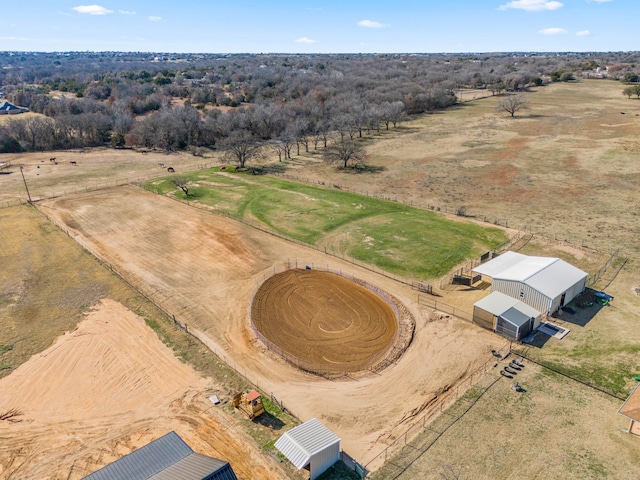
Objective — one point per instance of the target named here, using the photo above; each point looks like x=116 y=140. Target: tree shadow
x=268 y=168
x=362 y=168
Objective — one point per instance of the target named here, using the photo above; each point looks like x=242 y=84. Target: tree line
x=284 y=102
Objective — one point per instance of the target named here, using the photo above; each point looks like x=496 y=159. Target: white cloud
x=126 y=12
x=553 y=31
x=583 y=33
x=532 y=5
x=153 y=18
x=306 y=40
x=370 y=24
x=13 y=38
x=92 y=9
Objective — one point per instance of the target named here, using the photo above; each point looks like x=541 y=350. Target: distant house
x=631 y=409
x=310 y=445
x=167 y=458
x=7 y=108
x=544 y=283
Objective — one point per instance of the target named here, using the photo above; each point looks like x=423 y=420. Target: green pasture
x=400 y=239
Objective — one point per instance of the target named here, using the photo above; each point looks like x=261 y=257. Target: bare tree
x=512 y=104
x=241 y=147
x=182 y=183
x=345 y=150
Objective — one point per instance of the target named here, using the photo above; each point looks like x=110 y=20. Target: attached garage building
x=543 y=283
x=506 y=315
x=310 y=445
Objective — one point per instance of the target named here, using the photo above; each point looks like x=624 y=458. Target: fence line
x=374 y=363
x=442 y=401
x=194 y=332
x=413 y=283
x=466 y=271
x=98 y=186
x=591 y=280
x=526 y=354
x=459 y=211
x=431 y=302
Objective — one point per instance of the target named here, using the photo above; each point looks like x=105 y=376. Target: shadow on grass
x=362 y=168
x=339 y=471
x=267 y=169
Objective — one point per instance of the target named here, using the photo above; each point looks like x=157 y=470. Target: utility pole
x=25 y=184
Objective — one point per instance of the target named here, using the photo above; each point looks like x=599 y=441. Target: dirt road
x=202 y=268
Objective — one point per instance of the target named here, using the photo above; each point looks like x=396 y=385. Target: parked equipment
x=249 y=403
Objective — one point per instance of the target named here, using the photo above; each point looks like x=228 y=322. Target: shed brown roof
x=631 y=407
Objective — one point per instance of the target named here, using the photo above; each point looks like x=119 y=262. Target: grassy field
x=555 y=429
x=400 y=239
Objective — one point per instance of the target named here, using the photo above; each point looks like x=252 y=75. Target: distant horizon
x=320 y=26
x=155 y=52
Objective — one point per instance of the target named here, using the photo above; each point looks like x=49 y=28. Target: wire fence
x=136 y=180
x=439 y=403
x=413 y=283
x=150 y=295
x=459 y=211
x=566 y=371
x=464 y=275
x=372 y=363
x=431 y=302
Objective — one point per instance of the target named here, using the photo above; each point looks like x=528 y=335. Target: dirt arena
x=203 y=268
x=323 y=322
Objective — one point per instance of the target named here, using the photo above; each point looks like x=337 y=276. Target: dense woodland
x=244 y=103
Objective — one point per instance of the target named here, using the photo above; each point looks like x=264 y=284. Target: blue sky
x=320 y=26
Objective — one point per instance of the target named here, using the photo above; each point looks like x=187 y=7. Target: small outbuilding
x=631 y=409
x=506 y=315
x=544 y=283
x=310 y=445
x=167 y=458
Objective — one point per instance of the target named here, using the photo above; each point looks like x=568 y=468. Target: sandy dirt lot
x=202 y=268
x=104 y=389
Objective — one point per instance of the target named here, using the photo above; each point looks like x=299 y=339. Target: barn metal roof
x=500 y=304
x=166 y=458
x=302 y=442
x=196 y=466
x=549 y=276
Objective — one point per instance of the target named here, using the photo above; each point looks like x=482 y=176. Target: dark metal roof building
x=166 y=458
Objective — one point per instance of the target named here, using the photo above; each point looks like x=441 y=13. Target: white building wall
x=323 y=459
x=522 y=292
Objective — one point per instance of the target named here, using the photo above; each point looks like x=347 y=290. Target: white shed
x=310 y=445
x=506 y=315
x=543 y=283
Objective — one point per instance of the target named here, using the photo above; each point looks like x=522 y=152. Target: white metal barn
x=543 y=283
x=310 y=445
x=506 y=315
